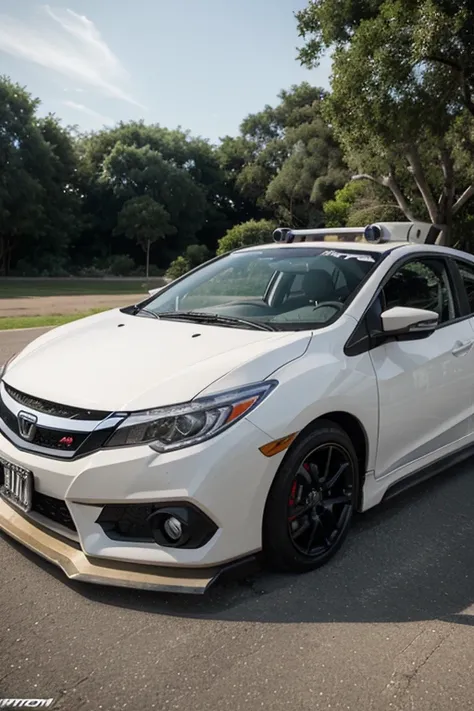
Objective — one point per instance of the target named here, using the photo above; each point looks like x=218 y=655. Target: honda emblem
x=27 y=425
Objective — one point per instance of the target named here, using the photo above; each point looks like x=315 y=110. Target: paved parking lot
x=387 y=625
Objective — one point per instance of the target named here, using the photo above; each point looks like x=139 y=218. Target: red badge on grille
x=66 y=441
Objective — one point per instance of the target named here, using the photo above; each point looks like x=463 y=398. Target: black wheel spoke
x=301 y=512
x=299 y=494
x=312 y=535
x=302 y=529
x=330 y=483
x=309 y=471
x=333 y=501
x=326 y=539
x=320 y=504
x=328 y=465
x=314 y=472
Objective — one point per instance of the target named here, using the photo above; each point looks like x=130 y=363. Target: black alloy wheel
x=311 y=503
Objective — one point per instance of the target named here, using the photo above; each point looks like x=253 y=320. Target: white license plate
x=17 y=485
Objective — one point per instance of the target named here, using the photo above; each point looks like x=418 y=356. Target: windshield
x=281 y=288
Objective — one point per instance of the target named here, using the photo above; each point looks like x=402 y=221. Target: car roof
x=329 y=244
x=374 y=248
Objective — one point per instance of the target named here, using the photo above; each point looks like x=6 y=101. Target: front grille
x=8 y=417
x=45 y=437
x=52 y=408
x=53 y=509
x=58 y=439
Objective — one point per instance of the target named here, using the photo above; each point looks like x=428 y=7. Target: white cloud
x=70 y=44
x=89 y=112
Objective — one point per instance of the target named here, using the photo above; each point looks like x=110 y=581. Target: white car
x=251 y=405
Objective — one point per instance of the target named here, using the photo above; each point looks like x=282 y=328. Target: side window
x=421 y=284
x=467 y=275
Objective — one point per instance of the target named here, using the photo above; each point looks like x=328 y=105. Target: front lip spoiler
x=77 y=566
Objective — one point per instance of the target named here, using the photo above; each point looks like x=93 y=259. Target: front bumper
x=226 y=478
x=77 y=566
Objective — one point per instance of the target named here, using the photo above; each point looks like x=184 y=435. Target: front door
x=425 y=386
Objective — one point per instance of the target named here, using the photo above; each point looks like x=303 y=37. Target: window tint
x=297 y=285
x=421 y=284
x=254 y=285
x=467 y=275
x=340 y=280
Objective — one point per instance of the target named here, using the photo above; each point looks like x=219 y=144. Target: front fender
x=320 y=382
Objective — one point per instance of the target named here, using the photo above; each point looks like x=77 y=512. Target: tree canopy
x=392 y=139
x=39 y=198
x=400 y=103
x=71 y=202
x=286 y=160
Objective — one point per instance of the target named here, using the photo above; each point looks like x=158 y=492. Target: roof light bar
x=420 y=232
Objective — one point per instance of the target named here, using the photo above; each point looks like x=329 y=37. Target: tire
x=298 y=515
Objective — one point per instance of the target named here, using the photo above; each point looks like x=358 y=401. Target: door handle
x=460 y=348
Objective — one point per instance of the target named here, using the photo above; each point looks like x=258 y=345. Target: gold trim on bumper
x=77 y=566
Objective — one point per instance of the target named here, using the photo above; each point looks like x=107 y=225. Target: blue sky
x=200 y=64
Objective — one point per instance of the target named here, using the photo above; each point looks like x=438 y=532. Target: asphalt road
x=13 y=341
x=387 y=625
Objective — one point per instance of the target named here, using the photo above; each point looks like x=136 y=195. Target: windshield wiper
x=143 y=310
x=199 y=317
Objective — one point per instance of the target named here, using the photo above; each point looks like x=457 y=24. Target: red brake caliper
x=291 y=500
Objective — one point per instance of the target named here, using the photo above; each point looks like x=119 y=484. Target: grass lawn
x=18 y=288
x=7 y=323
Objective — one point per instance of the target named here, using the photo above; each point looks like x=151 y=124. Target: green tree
x=398 y=117
x=62 y=209
x=246 y=234
x=438 y=33
x=39 y=202
x=286 y=160
x=360 y=203
x=194 y=157
x=135 y=172
x=142 y=219
x=234 y=154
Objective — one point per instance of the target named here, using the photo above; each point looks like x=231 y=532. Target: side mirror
x=409 y=323
x=152 y=292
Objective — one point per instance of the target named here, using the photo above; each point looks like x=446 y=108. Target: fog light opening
x=173 y=529
x=170 y=525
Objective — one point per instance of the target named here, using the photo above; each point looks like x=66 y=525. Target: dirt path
x=59 y=305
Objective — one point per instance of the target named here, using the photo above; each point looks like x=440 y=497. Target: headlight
x=179 y=426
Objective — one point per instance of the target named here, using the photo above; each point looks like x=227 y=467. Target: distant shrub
x=194 y=255
x=177 y=268
x=154 y=271
x=46 y=267
x=92 y=272
x=246 y=234
x=121 y=265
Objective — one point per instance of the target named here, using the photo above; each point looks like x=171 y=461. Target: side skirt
x=425 y=473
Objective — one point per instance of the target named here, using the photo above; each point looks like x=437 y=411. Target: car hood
x=113 y=361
